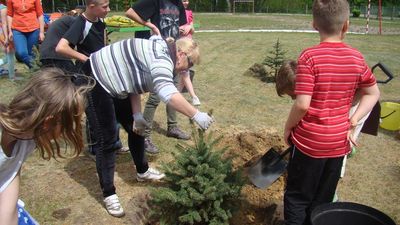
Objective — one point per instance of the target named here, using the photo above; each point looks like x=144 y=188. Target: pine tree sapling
x=201 y=187
x=274 y=62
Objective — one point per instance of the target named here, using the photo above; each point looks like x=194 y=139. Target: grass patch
x=238 y=102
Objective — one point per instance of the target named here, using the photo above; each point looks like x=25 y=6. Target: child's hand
x=350 y=138
x=286 y=136
x=153 y=28
x=41 y=37
x=184 y=30
x=196 y=101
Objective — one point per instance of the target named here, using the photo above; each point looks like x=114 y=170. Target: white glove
x=203 y=119
x=196 y=101
x=139 y=124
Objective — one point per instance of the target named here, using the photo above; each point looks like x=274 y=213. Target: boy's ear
x=346 y=26
x=313 y=25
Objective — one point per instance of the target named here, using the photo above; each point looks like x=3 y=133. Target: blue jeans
x=24 y=42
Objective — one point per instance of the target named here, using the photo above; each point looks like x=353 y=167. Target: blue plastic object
x=24 y=218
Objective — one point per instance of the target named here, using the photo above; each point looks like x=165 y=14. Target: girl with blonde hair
x=48 y=109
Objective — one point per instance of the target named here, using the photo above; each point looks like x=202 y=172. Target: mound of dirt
x=258 y=206
x=260 y=71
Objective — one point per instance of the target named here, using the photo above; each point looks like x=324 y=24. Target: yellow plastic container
x=390 y=116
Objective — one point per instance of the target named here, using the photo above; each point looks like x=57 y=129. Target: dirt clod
x=61 y=214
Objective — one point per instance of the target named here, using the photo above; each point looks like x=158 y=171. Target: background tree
x=274 y=60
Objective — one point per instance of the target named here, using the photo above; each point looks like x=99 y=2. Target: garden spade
x=268 y=168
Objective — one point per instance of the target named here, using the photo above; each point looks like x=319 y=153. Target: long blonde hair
x=50 y=93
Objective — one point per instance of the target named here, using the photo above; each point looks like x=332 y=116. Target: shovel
x=268 y=168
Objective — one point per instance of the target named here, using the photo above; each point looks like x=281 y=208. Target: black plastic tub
x=348 y=213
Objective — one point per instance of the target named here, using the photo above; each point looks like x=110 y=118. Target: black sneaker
x=175 y=132
x=150 y=147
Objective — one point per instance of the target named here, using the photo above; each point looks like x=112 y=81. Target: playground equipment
x=242 y=1
x=379 y=16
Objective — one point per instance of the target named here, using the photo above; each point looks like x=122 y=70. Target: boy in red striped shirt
x=318 y=125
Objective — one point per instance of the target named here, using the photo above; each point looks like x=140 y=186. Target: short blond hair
x=285 y=79
x=330 y=15
x=190 y=47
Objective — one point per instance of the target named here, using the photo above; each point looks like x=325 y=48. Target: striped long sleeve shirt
x=330 y=73
x=135 y=66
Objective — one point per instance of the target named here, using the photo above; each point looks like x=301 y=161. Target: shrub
x=356 y=12
x=201 y=187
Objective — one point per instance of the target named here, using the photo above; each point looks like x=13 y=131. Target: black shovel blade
x=267 y=169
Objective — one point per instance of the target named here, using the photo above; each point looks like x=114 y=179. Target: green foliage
x=274 y=60
x=221 y=6
x=356 y=12
x=201 y=187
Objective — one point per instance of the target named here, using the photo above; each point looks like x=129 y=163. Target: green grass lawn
x=239 y=103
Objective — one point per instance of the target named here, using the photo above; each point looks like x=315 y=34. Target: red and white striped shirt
x=330 y=73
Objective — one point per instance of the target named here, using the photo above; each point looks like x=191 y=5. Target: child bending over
x=48 y=109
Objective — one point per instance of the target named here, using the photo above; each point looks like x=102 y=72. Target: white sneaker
x=150 y=174
x=113 y=206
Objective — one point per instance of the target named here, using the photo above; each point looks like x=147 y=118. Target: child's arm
x=66 y=50
x=39 y=12
x=8 y=202
x=186 y=82
x=369 y=97
x=41 y=27
x=131 y=14
x=299 y=109
x=187 y=28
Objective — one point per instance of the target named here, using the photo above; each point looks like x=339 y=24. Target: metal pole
x=380 y=16
x=368 y=13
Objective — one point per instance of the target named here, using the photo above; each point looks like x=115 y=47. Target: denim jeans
x=93 y=144
x=103 y=113
x=24 y=42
